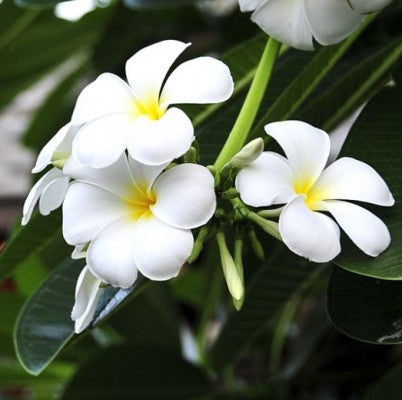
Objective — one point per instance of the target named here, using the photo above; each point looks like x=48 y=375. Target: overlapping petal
x=266 y=181
x=101 y=142
x=306 y=147
x=157 y=142
x=110 y=255
x=108 y=94
x=87 y=293
x=286 y=21
x=53 y=195
x=365 y=229
x=37 y=190
x=308 y=233
x=185 y=196
x=46 y=154
x=202 y=80
x=350 y=179
x=87 y=209
x=160 y=250
x=331 y=21
x=146 y=70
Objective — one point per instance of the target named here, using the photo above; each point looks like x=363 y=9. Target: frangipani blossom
x=136 y=218
x=307 y=188
x=297 y=22
x=51 y=188
x=137 y=116
x=87 y=292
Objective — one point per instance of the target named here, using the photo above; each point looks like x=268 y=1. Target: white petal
x=185 y=196
x=341 y=132
x=53 y=195
x=331 y=21
x=368 y=6
x=145 y=175
x=306 y=147
x=101 y=142
x=115 y=177
x=111 y=254
x=266 y=181
x=46 y=154
x=285 y=20
x=36 y=192
x=249 y=5
x=365 y=230
x=308 y=233
x=88 y=209
x=146 y=70
x=161 y=141
x=200 y=81
x=87 y=293
x=108 y=94
x=350 y=179
x=160 y=250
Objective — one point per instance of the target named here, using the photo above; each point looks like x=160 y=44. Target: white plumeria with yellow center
x=136 y=218
x=51 y=188
x=138 y=117
x=297 y=22
x=307 y=189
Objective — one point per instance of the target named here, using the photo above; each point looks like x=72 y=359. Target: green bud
x=256 y=244
x=199 y=243
x=270 y=227
x=191 y=156
x=249 y=153
x=234 y=280
x=238 y=259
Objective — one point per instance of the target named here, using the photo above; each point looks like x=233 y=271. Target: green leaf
x=136 y=372
x=282 y=276
x=44 y=325
x=353 y=88
x=364 y=308
x=146 y=4
x=375 y=139
x=29 y=241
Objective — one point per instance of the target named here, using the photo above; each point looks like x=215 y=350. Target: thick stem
x=251 y=105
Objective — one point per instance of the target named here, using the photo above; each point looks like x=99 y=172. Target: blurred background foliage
x=182 y=339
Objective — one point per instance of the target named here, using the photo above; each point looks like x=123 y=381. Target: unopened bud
x=270 y=227
x=249 y=153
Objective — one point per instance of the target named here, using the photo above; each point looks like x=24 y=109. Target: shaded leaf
x=364 y=308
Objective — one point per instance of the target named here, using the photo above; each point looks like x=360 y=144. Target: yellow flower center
x=150 y=108
x=313 y=196
x=139 y=202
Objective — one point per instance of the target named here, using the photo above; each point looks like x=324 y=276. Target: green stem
x=251 y=105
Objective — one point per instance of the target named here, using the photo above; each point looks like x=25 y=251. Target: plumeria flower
x=308 y=188
x=297 y=22
x=136 y=218
x=51 y=188
x=138 y=116
x=87 y=292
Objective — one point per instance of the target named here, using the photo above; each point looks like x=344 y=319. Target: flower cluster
x=123 y=208
x=297 y=22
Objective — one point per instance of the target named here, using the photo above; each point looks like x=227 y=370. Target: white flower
x=296 y=22
x=51 y=188
x=135 y=218
x=302 y=182
x=138 y=116
x=87 y=292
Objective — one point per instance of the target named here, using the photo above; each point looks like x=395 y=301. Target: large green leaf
x=375 y=139
x=29 y=241
x=282 y=276
x=136 y=372
x=44 y=325
x=365 y=76
x=365 y=308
